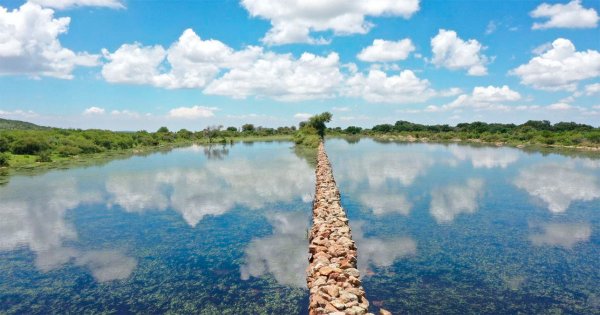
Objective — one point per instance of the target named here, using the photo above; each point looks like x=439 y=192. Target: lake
x=448 y=229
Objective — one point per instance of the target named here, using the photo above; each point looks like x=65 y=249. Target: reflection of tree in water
x=352 y=139
x=214 y=152
x=307 y=154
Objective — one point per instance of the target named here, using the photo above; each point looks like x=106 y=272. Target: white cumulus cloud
x=592 y=89
x=293 y=21
x=570 y=15
x=378 y=87
x=385 y=51
x=66 y=4
x=451 y=52
x=302 y=116
x=29 y=44
x=560 y=67
x=193 y=112
x=94 y=111
x=192 y=62
x=481 y=98
x=281 y=77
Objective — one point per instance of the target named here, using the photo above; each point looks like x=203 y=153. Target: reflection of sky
x=379 y=252
x=32 y=215
x=558 y=185
x=283 y=254
x=380 y=168
x=449 y=201
x=485 y=157
x=215 y=188
x=382 y=203
x=41 y=221
x=564 y=235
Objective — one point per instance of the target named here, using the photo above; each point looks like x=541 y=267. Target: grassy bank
x=530 y=134
x=40 y=148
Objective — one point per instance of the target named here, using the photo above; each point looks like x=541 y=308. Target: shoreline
x=28 y=166
x=538 y=146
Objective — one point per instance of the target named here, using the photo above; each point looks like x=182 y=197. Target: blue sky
x=126 y=64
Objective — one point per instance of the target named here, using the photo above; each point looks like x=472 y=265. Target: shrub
x=4 y=144
x=68 y=150
x=4 y=158
x=44 y=156
x=29 y=145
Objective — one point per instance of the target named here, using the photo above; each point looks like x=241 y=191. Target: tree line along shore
x=26 y=144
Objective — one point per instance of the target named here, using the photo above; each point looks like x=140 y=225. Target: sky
x=133 y=64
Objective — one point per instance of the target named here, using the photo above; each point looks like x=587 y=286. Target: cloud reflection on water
x=283 y=254
x=214 y=189
x=558 y=185
x=37 y=221
x=452 y=200
x=485 y=157
x=379 y=252
x=564 y=235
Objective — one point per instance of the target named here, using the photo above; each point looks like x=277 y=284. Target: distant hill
x=8 y=124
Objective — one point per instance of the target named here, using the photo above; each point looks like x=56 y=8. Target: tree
x=247 y=127
x=4 y=144
x=318 y=122
x=163 y=129
x=232 y=129
x=184 y=134
x=212 y=132
x=4 y=159
x=353 y=130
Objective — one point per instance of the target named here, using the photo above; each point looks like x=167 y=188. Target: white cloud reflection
x=383 y=203
x=564 y=235
x=377 y=168
x=485 y=157
x=379 y=252
x=452 y=200
x=215 y=188
x=37 y=221
x=283 y=254
x=558 y=185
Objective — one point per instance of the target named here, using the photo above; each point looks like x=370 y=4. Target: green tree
x=247 y=127
x=318 y=122
x=352 y=130
x=212 y=132
x=163 y=129
x=4 y=158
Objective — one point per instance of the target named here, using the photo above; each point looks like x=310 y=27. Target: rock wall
x=333 y=279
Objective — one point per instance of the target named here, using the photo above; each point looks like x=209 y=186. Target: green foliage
x=352 y=130
x=8 y=124
x=163 y=129
x=247 y=128
x=534 y=132
x=4 y=158
x=29 y=145
x=318 y=122
x=312 y=131
x=4 y=144
x=44 y=156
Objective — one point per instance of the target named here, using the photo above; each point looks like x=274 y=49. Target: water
x=440 y=229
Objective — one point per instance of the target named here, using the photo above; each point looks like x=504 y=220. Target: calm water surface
x=443 y=229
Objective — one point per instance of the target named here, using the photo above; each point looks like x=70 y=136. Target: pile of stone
x=333 y=279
